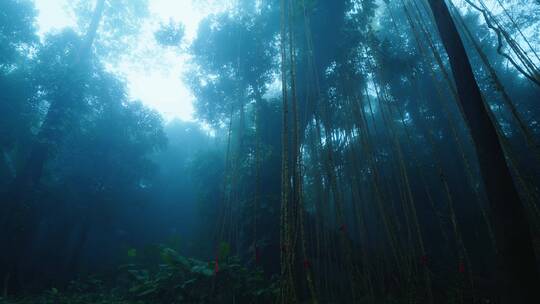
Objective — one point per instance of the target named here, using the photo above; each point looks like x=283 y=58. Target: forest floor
x=175 y=279
x=88 y=298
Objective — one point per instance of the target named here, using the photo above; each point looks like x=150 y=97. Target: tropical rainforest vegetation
x=342 y=151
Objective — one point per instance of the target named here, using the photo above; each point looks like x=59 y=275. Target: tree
x=17 y=36
x=73 y=66
x=17 y=28
x=228 y=76
x=518 y=273
x=170 y=34
x=53 y=127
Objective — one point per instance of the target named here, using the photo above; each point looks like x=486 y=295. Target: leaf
x=139 y=275
x=147 y=292
x=132 y=252
x=173 y=258
x=202 y=269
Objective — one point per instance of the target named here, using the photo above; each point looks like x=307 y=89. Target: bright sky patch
x=153 y=74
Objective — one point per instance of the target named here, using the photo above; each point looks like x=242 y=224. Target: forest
x=339 y=151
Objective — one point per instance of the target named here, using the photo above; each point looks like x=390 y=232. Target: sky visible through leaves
x=153 y=73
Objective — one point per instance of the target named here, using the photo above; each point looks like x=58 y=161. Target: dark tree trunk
x=518 y=279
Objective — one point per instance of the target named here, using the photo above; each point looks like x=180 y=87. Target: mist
x=350 y=151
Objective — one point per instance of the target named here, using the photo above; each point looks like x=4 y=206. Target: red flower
x=461 y=267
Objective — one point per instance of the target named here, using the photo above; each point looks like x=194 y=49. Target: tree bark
x=518 y=279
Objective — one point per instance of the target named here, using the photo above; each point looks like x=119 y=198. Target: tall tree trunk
x=21 y=216
x=518 y=278
x=286 y=288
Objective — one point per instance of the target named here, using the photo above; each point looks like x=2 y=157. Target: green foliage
x=178 y=280
x=193 y=281
x=121 y=22
x=170 y=34
x=108 y=157
x=234 y=60
x=17 y=29
x=132 y=252
x=17 y=107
